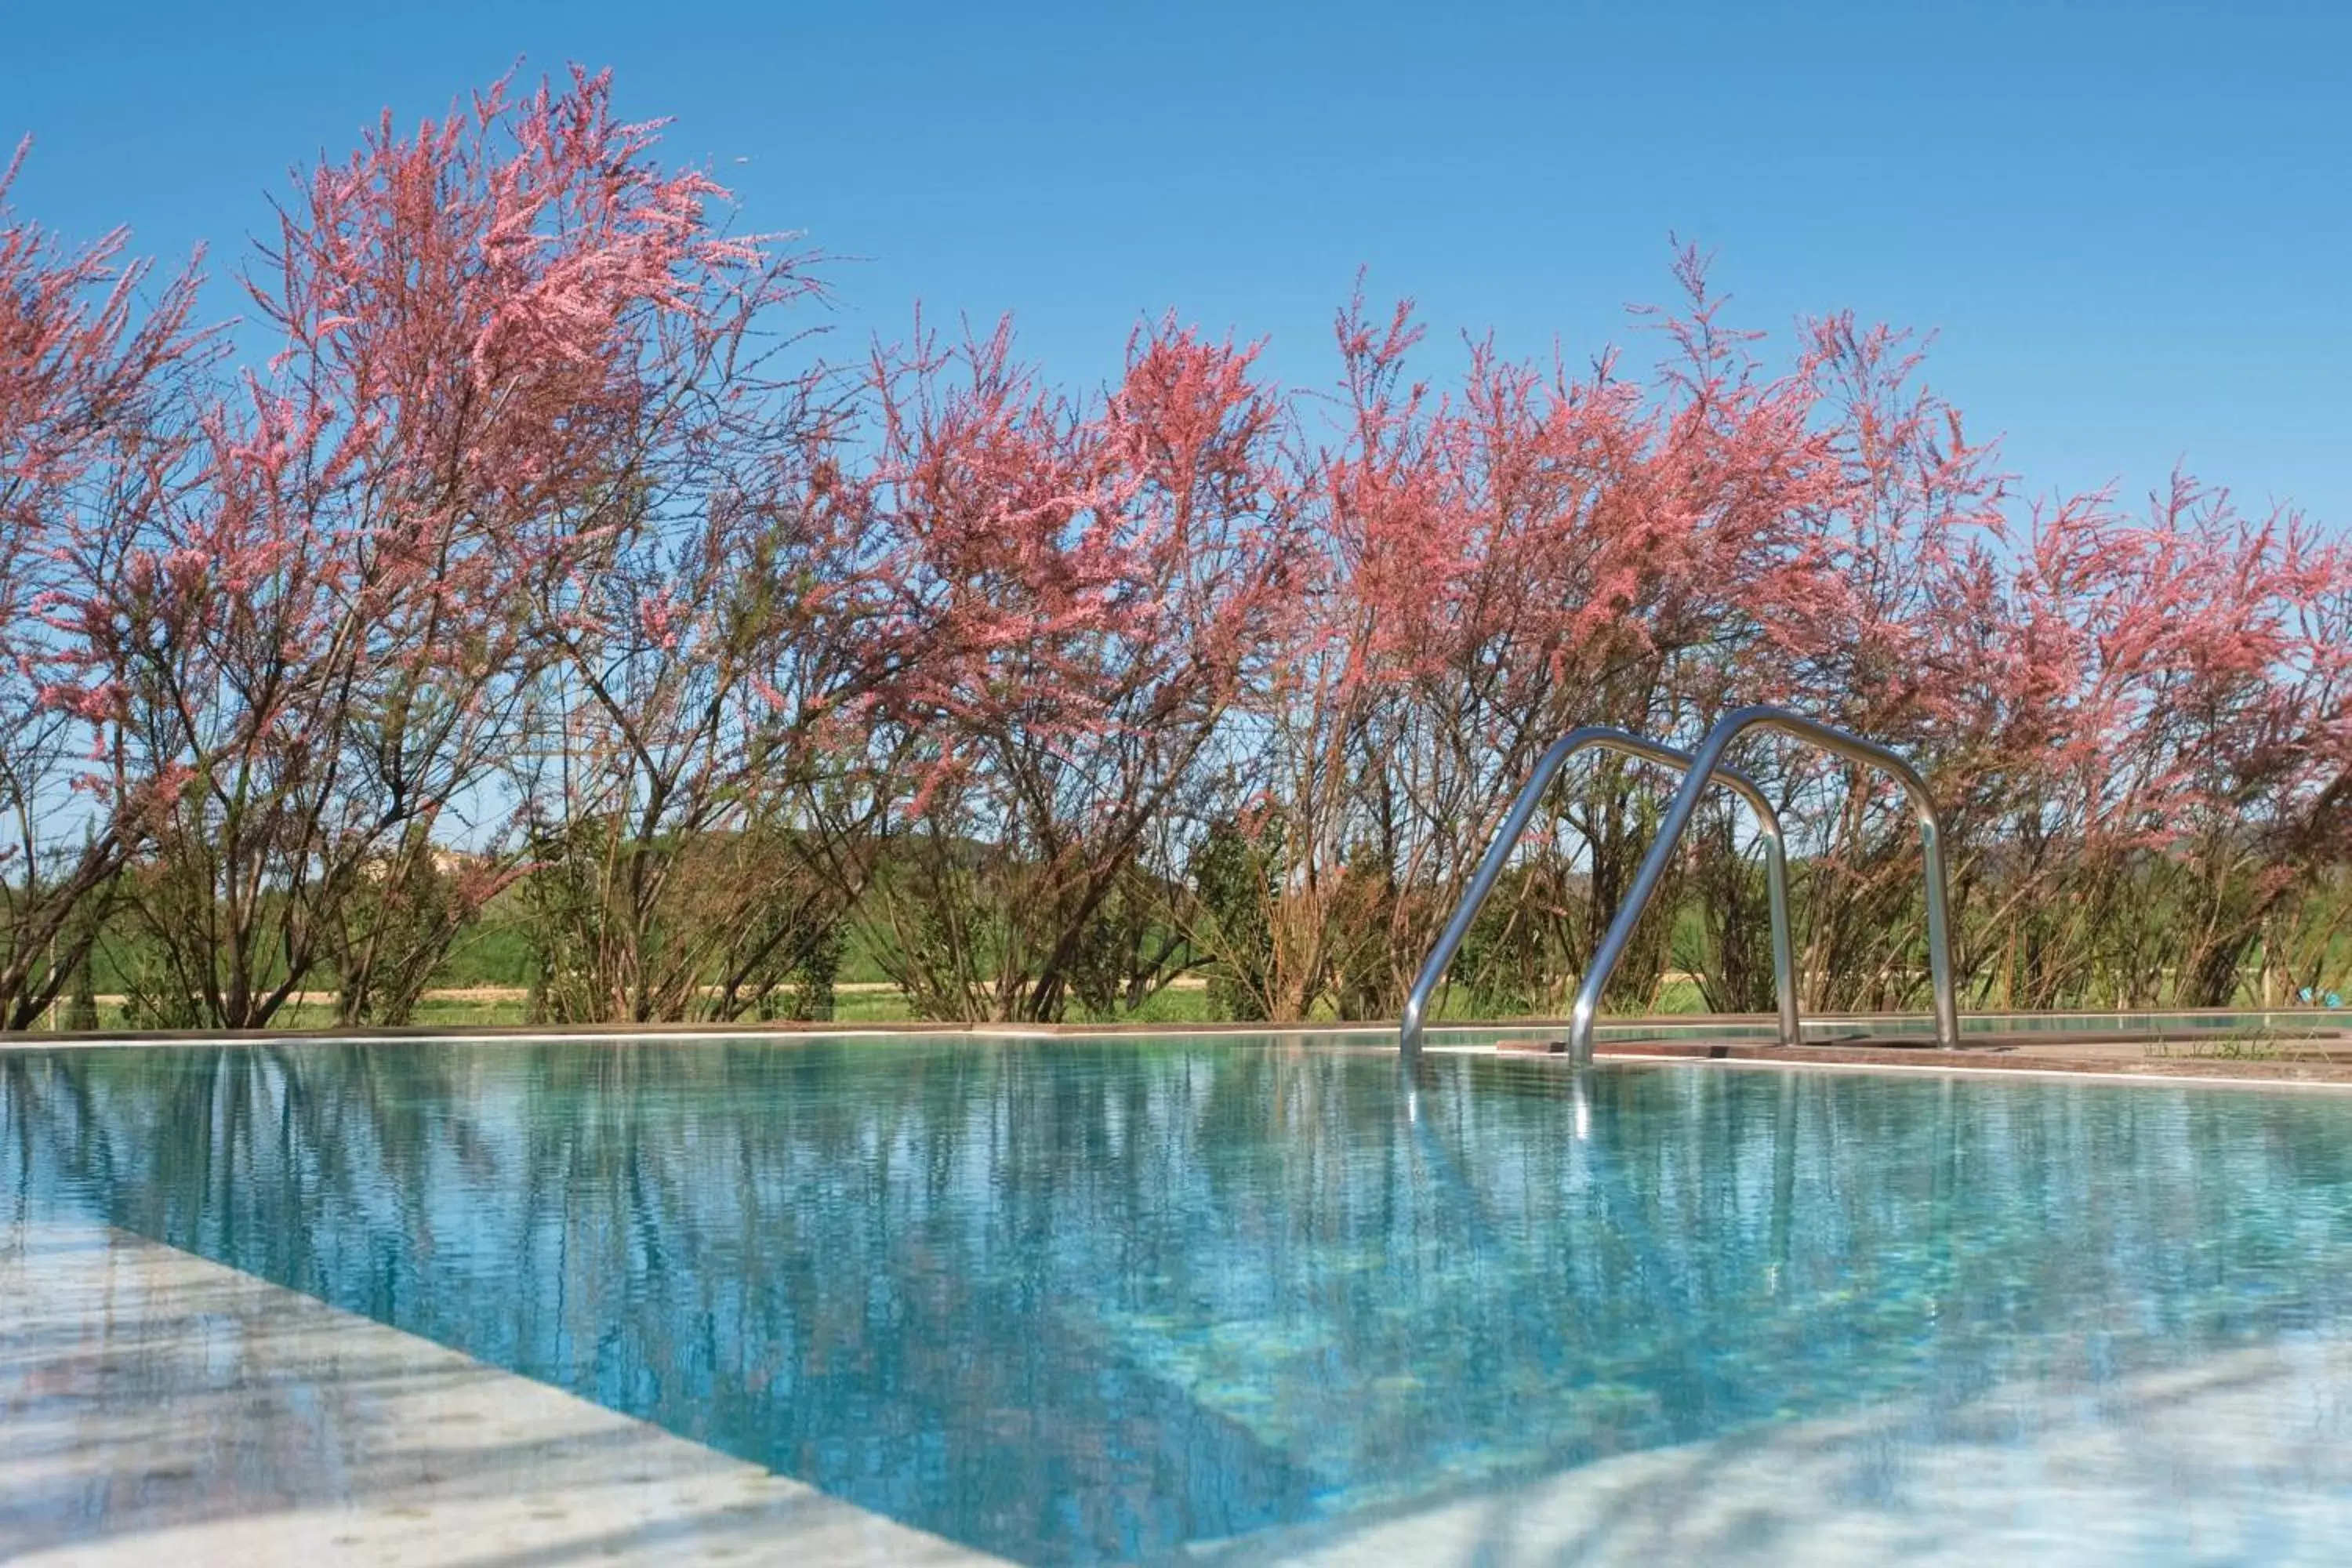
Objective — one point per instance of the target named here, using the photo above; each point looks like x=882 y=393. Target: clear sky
x=2128 y=223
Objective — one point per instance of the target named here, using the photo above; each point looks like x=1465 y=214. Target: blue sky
x=2127 y=223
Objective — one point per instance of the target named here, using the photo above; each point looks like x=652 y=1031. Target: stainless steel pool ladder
x=1699 y=769
x=1604 y=738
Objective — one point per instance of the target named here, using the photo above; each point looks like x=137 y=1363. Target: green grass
x=2254 y=1043
x=434 y=1012
x=498 y=955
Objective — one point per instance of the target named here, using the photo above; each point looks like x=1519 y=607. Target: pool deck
x=2240 y=1456
x=157 y=1408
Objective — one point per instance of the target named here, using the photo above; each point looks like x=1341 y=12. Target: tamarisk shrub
x=2117 y=717
x=536 y=561
x=326 y=642
x=2131 y=727
x=1537 y=552
x=697 y=803
x=1089 y=592
x=2245 y=686
x=1909 y=640
x=93 y=383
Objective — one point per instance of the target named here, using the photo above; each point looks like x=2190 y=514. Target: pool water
x=1079 y=1300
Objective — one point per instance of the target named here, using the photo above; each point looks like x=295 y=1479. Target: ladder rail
x=1706 y=764
x=1607 y=737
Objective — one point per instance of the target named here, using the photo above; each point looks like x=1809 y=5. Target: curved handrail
x=1607 y=737
x=1705 y=762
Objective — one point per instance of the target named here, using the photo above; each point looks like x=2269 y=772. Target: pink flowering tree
x=1535 y=551
x=1913 y=636
x=1088 y=593
x=2306 y=943
x=2246 y=691
x=539 y=560
x=325 y=645
x=92 y=434
x=700 y=799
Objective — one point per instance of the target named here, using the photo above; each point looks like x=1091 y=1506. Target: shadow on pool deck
x=2241 y=1456
x=159 y=1407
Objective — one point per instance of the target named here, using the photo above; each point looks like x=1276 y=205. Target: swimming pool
x=1095 y=1300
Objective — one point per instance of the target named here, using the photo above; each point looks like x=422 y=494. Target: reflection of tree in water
x=1110 y=1297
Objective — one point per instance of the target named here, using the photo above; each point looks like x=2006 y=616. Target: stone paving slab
x=159 y=1408
x=2239 y=1458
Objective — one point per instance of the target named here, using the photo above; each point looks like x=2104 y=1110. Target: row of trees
x=541 y=561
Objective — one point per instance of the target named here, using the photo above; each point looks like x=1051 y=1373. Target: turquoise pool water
x=1079 y=1300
